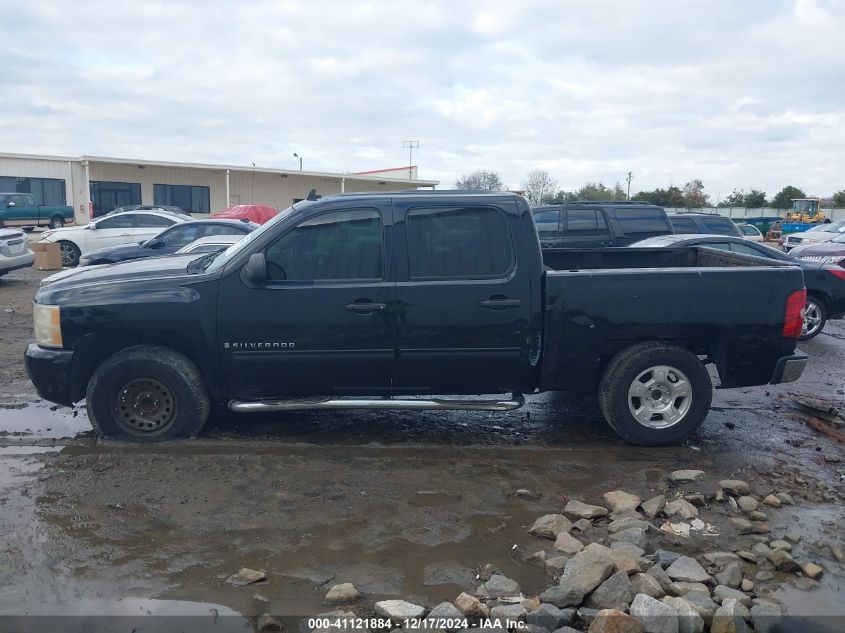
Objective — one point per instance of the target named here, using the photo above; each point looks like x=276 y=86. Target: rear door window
x=148 y=221
x=458 y=243
x=719 y=226
x=585 y=222
x=118 y=221
x=683 y=225
x=635 y=220
x=548 y=223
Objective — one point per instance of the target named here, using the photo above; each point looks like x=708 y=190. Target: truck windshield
x=221 y=259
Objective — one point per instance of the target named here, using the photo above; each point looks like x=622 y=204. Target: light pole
x=630 y=176
x=295 y=155
x=410 y=146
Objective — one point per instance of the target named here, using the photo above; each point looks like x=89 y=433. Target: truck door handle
x=500 y=303
x=364 y=307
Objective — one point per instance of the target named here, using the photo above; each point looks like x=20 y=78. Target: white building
x=95 y=184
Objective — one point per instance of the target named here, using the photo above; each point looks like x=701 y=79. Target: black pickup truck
x=383 y=300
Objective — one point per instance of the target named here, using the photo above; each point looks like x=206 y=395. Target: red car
x=258 y=213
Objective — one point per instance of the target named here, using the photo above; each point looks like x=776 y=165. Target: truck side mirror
x=255 y=270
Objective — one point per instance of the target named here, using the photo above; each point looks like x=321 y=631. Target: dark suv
x=706 y=223
x=598 y=224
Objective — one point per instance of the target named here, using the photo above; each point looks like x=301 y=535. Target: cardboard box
x=48 y=255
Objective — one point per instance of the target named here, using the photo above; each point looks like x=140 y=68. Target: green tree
x=736 y=199
x=480 y=179
x=694 y=195
x=783 y=198
x=671 y=197
x=754 y=199
x=839 y=199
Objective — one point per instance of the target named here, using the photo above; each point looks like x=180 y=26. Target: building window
x=107 y=196
x=188 y=197
x=46 y=191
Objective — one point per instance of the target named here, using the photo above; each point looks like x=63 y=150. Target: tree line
x=539 y=187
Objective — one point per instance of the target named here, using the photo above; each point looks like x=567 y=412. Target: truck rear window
x=719 y=226
x=634 y=220
x=458 y=242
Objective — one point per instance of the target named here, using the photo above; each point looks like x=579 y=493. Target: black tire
x=57 y=222
x=616 y=402
x=816 y=307
x=70 y=254
x=147 y=393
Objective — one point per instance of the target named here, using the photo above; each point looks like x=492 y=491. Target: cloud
x=741 y=95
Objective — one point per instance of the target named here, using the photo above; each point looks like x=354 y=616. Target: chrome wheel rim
x=144 y=407
x=812 y=318
x=660 y=397
x=68 y=255
x=56 y=223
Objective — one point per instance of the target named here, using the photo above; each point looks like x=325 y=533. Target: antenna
x=410 y=146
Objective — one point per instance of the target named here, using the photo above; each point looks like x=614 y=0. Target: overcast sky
x=738 y=93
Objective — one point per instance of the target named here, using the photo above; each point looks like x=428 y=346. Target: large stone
x=653 y=506
x=624 y=559
x=550 y=617
x=687 y=569
x=747 y=503
x=773 y=501
x=582 y=525
x=583 y=573
x=659 y=574
x=720 y=559
x=509 y=612
x=621 y=501
x=344 y=592
x=764 y=616
x=585 y=510
x=729 y=619
x=246 y=576
x=689 y=619
x=785 y=498
x=550 y=525
x=703 y=604
x=723 y=593
x=501 y=587
x=680 y=508
x=665 y=557
x=743 y=526
x=655 y=616
x=647 y=584
x=614 y=621
x=556 y=564
x=445 y=611
x=811 y=570
x=682 y=588
x=633 y=535
x=782 y=560
x=735 y=486
x=614 y=593
x=685 y=476
x=268 y=622
x=730 y=576
x=471 y=606
x=625 y=523
x=568 y=544
x=398 y=610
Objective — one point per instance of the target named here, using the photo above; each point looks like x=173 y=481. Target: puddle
x=40 y=420
x=28 y=450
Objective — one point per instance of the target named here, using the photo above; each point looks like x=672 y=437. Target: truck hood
x=134 y=270
x=121 y=251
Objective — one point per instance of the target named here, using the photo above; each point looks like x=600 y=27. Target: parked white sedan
x=109 y=230
x=14 y=251
x=750 y=232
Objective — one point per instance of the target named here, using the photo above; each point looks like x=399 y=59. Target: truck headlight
x=48 y=325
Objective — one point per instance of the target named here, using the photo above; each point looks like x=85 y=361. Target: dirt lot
x=402 y=505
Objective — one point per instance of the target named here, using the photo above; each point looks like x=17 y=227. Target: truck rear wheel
x=57 y=222
x=655 y=394
x=147 y=393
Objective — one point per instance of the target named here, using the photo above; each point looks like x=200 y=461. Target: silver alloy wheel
x=56 y=223
x=68 y=254
x=660 y=397
x=812 y=318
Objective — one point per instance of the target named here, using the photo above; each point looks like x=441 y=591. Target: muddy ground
x=402 y=504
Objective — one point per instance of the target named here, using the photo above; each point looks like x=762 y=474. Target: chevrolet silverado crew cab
x=384 y=300
x=21 y=209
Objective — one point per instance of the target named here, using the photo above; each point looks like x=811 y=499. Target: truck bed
x=725 y=306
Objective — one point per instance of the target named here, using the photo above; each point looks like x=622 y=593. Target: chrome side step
x=246 y=406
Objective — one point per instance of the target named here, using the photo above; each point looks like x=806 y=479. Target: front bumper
x=50 y=372
x=15 y=262
x=789 y=368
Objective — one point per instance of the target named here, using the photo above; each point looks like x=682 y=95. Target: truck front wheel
x=147 y=393
x=655 y=394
